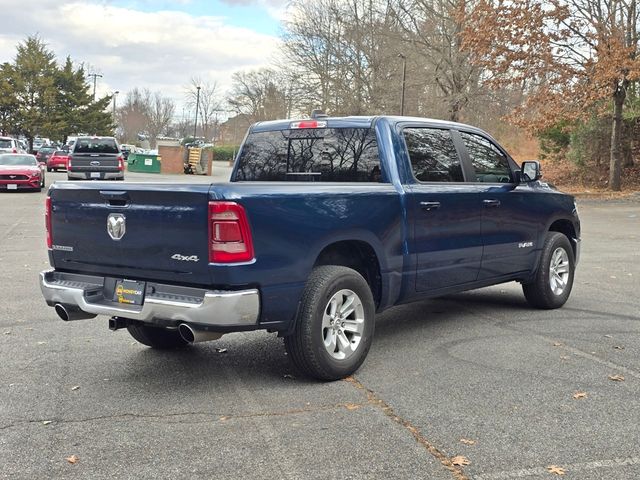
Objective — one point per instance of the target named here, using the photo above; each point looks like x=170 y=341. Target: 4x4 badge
x=116 y=226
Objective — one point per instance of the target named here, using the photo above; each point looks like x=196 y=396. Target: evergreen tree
x=39 y=97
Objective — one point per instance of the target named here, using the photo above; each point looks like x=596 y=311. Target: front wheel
x=335 y=324
x=156 y=337
x=552 y=284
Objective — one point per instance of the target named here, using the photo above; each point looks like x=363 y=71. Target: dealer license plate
x=12 y=186
x=129 y=292
x=95 y=174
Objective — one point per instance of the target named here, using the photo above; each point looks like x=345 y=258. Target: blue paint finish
x=462 y=244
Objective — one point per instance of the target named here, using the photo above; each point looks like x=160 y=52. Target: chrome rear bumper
x=162 y=302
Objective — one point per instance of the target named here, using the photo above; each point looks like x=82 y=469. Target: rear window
x=95 y=145
x=60 y=153
x=315 y=155
x=5 y=143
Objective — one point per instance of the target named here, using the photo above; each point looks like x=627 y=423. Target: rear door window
x=433 y=155
x=323 y=154
x=5 y=143
x=489 y=163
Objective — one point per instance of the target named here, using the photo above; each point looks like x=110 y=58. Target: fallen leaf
x=618 y=347
x=460 y=461
x=613 y=276
x=8 y=332
x=75 y=387
x=47 y=422
x=72 y=459
x=564 y=357
x=556 y=470
x=467 y=441
x=223 y=418
x=221 y=350
x=351 y=406
x=616 y=378
x=288 y=375
x=42 y=343
x=558 y=344
x=608 y=336
x=580 y=395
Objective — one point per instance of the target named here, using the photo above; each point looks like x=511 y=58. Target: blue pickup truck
x=325 y=223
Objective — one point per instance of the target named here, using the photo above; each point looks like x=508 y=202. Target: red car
x=20 y=171
x=58 y=160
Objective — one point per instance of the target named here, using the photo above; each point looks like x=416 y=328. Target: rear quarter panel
x=291 y=223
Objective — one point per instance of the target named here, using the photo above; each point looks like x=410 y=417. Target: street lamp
x=195 y=125
x=404 y=78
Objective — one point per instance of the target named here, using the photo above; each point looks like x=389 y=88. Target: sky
x=154 y=44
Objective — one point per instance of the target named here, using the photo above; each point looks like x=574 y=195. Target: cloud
x=158 y=50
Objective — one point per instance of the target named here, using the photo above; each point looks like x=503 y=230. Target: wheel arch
x=358 y=255
x=567 y=228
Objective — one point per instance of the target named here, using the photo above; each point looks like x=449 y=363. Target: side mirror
x=530 y=171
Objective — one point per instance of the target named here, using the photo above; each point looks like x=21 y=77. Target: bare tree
x=263 y=94
x=132 y=115
x=144 y=113
x=160 y=114
x=209 y=104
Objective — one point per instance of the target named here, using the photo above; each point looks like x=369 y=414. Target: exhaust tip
x=62 y=312
x=186 y=332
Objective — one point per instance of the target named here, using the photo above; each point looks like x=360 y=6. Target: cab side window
x=489 y=163
x=433 y=155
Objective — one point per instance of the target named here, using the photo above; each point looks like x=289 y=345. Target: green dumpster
x=143 y=162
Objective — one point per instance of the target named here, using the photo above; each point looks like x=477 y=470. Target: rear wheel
x=156 y=337
x=552 y=284
x=335 y=324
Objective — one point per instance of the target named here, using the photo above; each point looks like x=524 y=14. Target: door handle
x=429 y=205
x=491 y=203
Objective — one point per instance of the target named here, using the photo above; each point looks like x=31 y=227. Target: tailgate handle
x=115 y=198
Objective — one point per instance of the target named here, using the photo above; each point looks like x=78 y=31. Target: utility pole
x=95 y=77
x=404 y=78
x=115 y=94
x=195 y=126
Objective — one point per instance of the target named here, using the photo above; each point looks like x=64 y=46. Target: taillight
x=69 y=162
x=229 y=234
x=15 y=150
x=47 y=221
x=121 y=163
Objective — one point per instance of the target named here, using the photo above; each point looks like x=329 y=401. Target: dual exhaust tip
x=187 y=332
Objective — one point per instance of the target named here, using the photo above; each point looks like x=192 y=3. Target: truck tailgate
x=162 y=228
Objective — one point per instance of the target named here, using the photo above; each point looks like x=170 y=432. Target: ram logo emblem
x=116 y=226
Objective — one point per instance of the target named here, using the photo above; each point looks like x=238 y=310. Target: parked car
x=58 y=160
x=40 y=142
x=44 y=153
x=20 y=171
x=324 y=223
x=95 y=158
x=10 y=145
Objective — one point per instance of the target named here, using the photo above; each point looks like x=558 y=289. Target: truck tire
x=335 y=324
x=156 y=337
x=552 y=284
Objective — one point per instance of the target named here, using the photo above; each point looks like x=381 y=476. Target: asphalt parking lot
x=478 y=375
